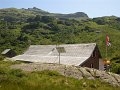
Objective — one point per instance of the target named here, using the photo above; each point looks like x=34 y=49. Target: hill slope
x=16 y=79
x=72 y=71
x=13 y=14
x=21 y=27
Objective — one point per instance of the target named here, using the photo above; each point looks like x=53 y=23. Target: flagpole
x=107 y=41
x=106 y=51
x=107 y=61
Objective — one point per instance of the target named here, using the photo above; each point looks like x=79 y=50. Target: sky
x=93 y=8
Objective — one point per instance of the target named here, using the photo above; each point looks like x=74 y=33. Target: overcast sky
x=93 y=8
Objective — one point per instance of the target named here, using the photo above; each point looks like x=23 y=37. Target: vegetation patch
x=19 y=28
x=16 y=79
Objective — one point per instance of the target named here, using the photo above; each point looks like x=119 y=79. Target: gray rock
x=72 y=71
x=85 y=73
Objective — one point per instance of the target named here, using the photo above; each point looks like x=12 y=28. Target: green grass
x=12 y=79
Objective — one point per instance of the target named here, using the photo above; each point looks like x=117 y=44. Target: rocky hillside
x=21 y=27
x=14 y=14
x=72 y=71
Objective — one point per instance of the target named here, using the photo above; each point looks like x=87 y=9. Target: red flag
x=108 y=41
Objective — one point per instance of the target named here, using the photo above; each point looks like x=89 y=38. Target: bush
x=48 y=73
x=1 y=57
x=115 y=68
x=3 y=71
x=17 y=73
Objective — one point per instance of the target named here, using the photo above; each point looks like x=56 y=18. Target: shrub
x=115 y=68
x=3 y=71
x=17 y=73
x=1 y=57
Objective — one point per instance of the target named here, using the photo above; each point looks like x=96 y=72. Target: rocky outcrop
x=72 y=71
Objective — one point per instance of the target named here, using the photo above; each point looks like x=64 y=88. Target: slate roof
x=5 y=51
x=75 y=54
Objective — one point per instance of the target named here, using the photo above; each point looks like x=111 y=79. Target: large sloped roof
x=75 y=54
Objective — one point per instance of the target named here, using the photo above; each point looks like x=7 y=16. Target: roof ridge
x=67 y=44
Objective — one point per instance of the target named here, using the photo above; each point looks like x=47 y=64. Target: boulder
x=72 y=71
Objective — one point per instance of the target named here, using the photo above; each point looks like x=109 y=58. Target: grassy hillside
x=21 y=27
x=20 y=15
x=12 y=79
